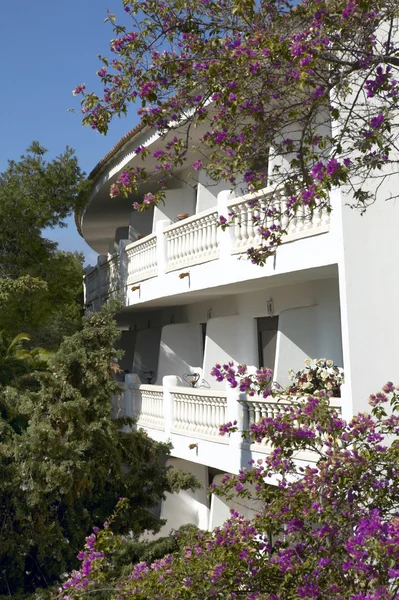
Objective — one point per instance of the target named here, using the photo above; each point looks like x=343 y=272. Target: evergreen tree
x=65 y=471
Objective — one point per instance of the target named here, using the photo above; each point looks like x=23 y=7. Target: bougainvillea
x=327 y=528
x=299 y=97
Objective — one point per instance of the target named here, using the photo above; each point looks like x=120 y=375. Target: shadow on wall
x=309 y=332
x=229 y=338
x=146 y=351
x=180 y=350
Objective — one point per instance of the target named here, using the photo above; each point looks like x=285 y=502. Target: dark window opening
x=267 y=339
x=203 y=338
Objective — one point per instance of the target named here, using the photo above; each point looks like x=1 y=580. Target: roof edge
x=116 y=148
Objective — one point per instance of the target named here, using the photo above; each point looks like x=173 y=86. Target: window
x=267 y=338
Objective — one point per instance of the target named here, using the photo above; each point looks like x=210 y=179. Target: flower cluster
x=324 y=530
x=259 y=382
x=261 y=84
x=319 y=374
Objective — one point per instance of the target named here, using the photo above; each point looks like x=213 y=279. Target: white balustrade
x=109 y=275
x=92 y=283
x=147 y=405
x=142 y=259
x=192 y=241
x=199 y=413
x=271 y=207
x=257 y=408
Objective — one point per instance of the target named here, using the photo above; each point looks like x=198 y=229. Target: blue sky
x=48 y=47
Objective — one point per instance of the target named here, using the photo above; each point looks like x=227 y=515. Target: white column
x=225 y=238
x=161 y=245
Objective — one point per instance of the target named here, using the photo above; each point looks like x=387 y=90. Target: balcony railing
x=147 y=402
x=192 y=241
x=245 y=232
x=92 y=284
x=110 y=275
x=256 y=408
x=195 y=241
x=142 y=259
x=198 y=413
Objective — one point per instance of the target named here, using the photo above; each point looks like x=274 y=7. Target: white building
x=330 y=291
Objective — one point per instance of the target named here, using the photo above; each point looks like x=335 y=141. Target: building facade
x=191 y=299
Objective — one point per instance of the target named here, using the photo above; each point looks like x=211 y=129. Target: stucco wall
x=370 y=296
x=181 y=200
x=229 y=338
x=187 y=506
x=180 y=350
x=207 y=191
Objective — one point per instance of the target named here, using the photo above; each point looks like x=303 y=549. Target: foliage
x=328 y=530
x=40 y=287
x=310 y=89
x=16 y=360
x=47 y=306
x=318 y=374
x=65 y=469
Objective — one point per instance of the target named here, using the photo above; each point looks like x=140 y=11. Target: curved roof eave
x=128 y=137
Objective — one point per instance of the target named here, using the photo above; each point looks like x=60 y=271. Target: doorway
x=267 y=340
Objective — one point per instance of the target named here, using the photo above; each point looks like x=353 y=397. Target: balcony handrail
x=288 y=399
x=138 y=243
x=192 y=219
x=181 y=389
x=145 y=387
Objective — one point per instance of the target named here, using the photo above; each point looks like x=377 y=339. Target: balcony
x=190 y=419
x=197 y=243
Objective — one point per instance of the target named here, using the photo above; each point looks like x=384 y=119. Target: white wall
x=180 y=350
x=309 y=326
x=207 y=191
x=229 y=338
x=221 y=507
x=187 y=506
x=309 y=332
x=181 y=200
x=370 y=297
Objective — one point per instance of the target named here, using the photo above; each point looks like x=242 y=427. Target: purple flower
x=197 y=165
x=377 y=121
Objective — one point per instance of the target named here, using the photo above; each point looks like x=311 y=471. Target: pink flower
x=197 y=165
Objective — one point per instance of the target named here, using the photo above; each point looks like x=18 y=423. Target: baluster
x=178 y=245
x=183 y=242
x=316 y=218
x=193 y=232
x=205 y=404
x=196 y=414
x=208 y=234
x=301 y=216
x=213 y=415
x=325 y=217
x=170 y=247
x=243 y=220
x=284 y=216
x=176 y=413
x=214 y=236
x=237 y=228
x=250 y=226
x=187 y=252
x=251 y=412
x=201 y=243
x=209 y=415
x=195 y=238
